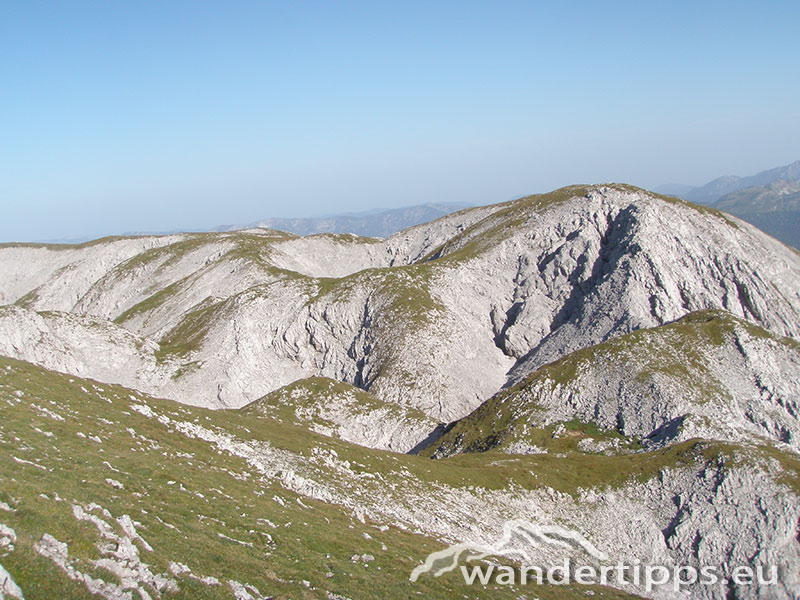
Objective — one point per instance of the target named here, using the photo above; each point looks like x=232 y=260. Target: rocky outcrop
x=343 y=411
x=82 y=346
x=708 y=375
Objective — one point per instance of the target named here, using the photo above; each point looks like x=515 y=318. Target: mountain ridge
x=380 y=223
x=362 y=310
x=767 y=199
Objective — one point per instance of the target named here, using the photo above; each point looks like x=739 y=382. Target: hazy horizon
x=120 y=118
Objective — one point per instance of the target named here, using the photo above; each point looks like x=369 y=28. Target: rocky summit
x=255 y=414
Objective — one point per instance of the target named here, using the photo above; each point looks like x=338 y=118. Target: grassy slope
x=308 y=542
x=213 y=493
x=305 y=394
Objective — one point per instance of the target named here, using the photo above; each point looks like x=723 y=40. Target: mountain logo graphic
x=530 y=535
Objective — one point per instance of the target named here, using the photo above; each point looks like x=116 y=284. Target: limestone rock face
x=82 y=346
x=438 y=317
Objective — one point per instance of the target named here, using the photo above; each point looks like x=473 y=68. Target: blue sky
x=134 y=116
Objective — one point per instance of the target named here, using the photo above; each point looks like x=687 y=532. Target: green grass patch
x=188 y=335
x=197 y=505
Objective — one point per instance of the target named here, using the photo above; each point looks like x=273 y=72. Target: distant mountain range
x=716 y=189
x=770 y=200
x=369 y=224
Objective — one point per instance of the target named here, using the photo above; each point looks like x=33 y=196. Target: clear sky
x=134 y=116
